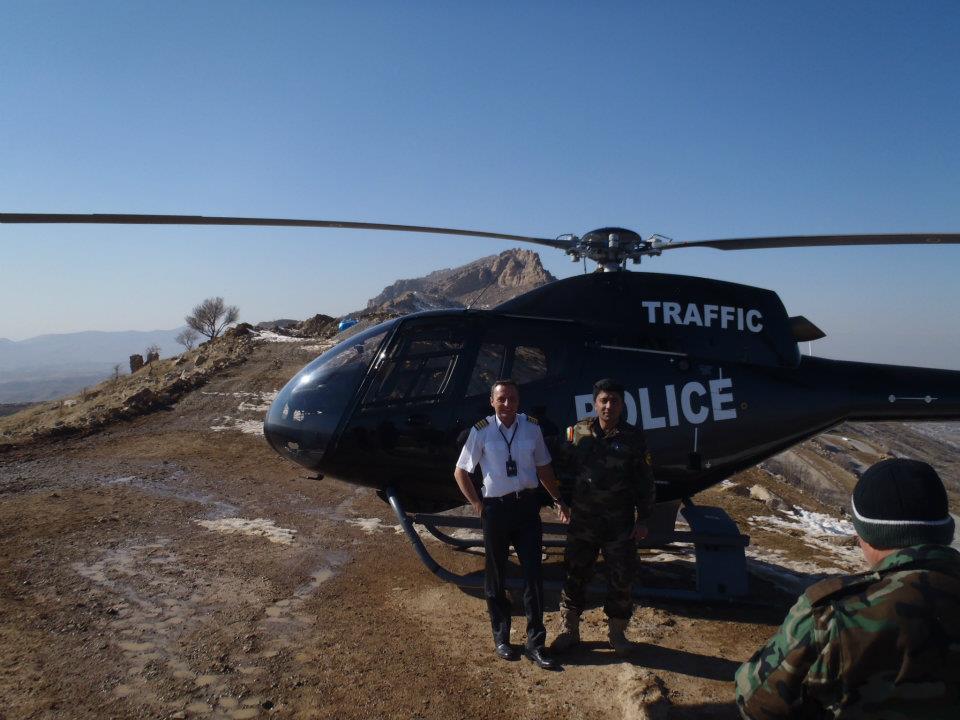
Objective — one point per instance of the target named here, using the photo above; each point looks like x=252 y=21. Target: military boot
x=569 y=636
x=618 y=641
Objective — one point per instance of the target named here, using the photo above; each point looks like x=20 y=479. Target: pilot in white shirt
x=493 y=445
x=509 y=448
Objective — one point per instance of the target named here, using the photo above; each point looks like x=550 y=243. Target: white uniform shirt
x=486 y=447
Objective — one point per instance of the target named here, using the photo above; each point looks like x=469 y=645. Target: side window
x=529 y=364
x=420 y=369
x=524 y=353
x=488 y=368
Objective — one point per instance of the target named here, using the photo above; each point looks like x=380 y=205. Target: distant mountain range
x=50 y=366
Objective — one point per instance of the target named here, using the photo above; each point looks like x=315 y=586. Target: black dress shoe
x=506 y=652
x=539 y=656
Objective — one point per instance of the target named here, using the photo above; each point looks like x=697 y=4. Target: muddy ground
x=123 y=594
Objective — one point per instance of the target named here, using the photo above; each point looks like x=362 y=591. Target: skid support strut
x=721 y=572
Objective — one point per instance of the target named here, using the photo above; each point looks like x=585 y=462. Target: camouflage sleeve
x=772 y=683
x=564 y=459
x=646 y=487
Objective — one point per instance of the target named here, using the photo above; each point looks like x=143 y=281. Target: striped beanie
x=898 y=503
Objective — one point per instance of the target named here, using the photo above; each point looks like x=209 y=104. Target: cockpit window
x=421 y=347
x=308 y=410
x=351 y=357
x=420 y=367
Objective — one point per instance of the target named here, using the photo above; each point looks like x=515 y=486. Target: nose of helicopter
x=304 y=419
x=301 y=423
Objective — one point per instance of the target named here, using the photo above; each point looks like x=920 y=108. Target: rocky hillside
x=827 y=467
x=154 y=386
x=51 y=366
x=498 y=277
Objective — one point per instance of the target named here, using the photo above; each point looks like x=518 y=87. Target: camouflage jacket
x=610 y=471
x=881 y=644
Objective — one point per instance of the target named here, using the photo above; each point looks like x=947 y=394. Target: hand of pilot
x=563 y=512
x=639 y=531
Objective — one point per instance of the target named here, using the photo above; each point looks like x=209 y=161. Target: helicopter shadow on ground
x=653 y=657
x=765 y=604
x=705 y=711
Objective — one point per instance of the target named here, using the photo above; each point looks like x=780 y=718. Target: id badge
x=511 y=468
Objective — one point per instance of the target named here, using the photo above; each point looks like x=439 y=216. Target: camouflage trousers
x=584 y=543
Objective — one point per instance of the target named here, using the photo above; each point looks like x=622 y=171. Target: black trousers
x=514 y=520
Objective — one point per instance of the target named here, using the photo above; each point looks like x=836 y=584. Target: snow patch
x=260 y=404
x=250 y=402
x=268 y=336
x=369 y=525
x=248 y=427
x=258 y=527
x=818 y=532
x=232 y=394
x=809 y=521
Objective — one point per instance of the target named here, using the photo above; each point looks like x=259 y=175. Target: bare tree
x=187 y=337
x=152 y=352
x=116 y=372
x=210 y=317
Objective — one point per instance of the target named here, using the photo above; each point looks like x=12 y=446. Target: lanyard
x=509 y=442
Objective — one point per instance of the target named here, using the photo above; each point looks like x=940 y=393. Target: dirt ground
x=123 y=594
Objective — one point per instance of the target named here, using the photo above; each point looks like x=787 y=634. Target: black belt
x=517 y=495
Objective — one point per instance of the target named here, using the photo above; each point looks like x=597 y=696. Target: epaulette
x=531 y=418
x=481 y=424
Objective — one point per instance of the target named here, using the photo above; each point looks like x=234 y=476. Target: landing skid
x=721 y=568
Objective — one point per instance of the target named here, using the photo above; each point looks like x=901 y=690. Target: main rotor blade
x=108 y=219
x=788 y=241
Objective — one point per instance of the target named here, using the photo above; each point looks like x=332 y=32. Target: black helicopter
x=713 y=371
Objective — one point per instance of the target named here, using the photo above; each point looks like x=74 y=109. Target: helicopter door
x=535 y=354
x=406 y=407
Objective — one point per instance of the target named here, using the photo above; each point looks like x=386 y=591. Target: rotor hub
x=612 y=247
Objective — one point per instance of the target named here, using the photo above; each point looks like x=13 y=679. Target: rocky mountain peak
x=498 y=277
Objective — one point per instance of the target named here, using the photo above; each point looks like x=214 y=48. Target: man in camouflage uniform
x=613 y=494
x=881 y=644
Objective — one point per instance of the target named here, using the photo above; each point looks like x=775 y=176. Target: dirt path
x=164 y=569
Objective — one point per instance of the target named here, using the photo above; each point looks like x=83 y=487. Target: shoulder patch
x=531 y=418
x=481 y=424
x=570 y=433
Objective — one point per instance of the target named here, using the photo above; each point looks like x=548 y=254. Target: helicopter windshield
x=306 y=413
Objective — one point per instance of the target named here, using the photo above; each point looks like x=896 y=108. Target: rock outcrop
x=485 y=282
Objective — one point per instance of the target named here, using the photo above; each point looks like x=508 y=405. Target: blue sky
x=691 y=119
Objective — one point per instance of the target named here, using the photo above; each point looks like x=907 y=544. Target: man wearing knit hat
x=881 y=644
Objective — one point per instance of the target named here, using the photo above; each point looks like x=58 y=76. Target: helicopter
x=713 y=372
